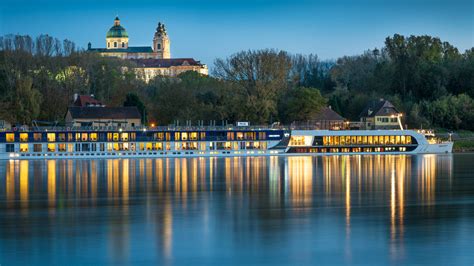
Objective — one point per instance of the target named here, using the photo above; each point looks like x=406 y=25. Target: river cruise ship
x=197 y=142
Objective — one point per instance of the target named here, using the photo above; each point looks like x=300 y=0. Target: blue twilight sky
x=206 y=29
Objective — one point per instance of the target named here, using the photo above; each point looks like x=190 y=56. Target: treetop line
x=427 y=79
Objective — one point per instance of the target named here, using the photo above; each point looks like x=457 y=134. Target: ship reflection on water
x=280 y=210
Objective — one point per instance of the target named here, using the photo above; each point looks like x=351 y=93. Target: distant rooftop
x=379 y=107
x=166 y=62
x=130 y=49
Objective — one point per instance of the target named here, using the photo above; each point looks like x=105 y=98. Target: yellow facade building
x=380 y=114
x=150 y=61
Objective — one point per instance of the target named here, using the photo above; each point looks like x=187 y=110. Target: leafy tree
x=301 y=104
x=132 y=99
x=27 y=101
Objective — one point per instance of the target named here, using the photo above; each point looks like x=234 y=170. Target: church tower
x=161 y=42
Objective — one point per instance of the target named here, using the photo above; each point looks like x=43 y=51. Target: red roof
x=86 y=100
x=166 y=62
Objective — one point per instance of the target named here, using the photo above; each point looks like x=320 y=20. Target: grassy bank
x=463 y=141
x=463 y=145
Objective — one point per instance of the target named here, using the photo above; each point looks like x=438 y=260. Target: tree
x=263 y=75
x=301 y=104
x=132 y=99
x=27 y=101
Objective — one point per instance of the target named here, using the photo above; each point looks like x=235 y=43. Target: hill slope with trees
x=427 y=79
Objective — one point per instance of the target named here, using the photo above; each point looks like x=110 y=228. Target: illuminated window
x=70 y=147
x=353 y=139
x=240 y=136
x=203 y=135
x=61 y=147
x=297 y=141
x=177 y=136
x=62 y=137
x=370 y=140
x=159 y=136
x=376 y=139
x=364 y=140
x=184 y=136
x=250 y=135
x=325 y=140
x=84 y=137
x=23 y=137
x=93 y=136
x=386 y=140
x=149 y=146
x=158 y=146
x=51 y=137
x=78 y=136
x=359 y=139
x=70 y=137
x=408 y=140
x=10 y=137
x=37 y=136
x=124 y=137
x=343 y=140
x=397 y=140
x=115 y=137
x=193 y=136
x=51 y=147
x=392 y=139
x=24 y=147
x=168 y=136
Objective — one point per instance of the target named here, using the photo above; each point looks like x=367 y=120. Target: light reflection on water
x=278 y=210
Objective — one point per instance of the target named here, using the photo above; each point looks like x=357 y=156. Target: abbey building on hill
x=150 y=61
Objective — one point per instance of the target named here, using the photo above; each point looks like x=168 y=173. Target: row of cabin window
x=348 y=150
x=366 y=140
x=124 y=136
x=148 y=146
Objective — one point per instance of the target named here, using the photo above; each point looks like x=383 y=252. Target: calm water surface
x=233 y=211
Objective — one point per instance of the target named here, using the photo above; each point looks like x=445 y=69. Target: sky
x=210 y=29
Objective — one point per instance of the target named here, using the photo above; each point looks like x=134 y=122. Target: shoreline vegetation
x=427 y=79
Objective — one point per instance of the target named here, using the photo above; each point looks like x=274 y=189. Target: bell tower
x=161 y=42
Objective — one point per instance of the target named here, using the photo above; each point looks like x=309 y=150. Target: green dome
x=117 y=31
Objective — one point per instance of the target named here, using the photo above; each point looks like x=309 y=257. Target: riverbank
x=463 y=139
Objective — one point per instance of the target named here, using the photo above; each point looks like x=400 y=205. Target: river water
x=374 y=209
